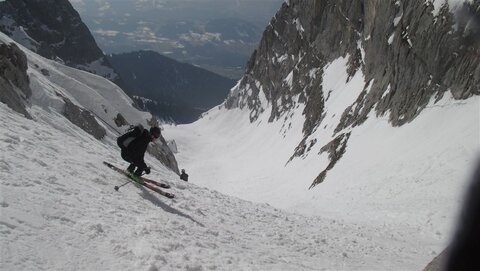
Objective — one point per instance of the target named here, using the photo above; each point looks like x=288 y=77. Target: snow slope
x=102 y=97
x=58 y=211
x=388 y=204
x=409 y=179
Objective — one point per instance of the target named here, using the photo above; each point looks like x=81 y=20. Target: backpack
x=132 y=133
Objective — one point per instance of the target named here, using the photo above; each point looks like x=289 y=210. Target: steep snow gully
x=390 y=203
x=59 y=212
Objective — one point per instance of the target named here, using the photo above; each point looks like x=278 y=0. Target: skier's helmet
x=155 y=132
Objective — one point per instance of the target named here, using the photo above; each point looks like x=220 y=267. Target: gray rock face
x=160 y=150
x=53 y=29
x=426 y=57
x=14 y=82
x=335 y=148
x=164 y=154
x=83 y=119
x=120 y=120
x=172 y=145
x=406 y=54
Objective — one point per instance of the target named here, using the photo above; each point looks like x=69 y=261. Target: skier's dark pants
x=133 y=164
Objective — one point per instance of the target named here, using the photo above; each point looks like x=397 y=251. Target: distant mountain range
x=218 y=35
x=172 y=90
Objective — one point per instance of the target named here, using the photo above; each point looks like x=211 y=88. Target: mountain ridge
x=402 y=51
x=170 y=89
x=55 y=33
x=91 y=102
x=188 y=31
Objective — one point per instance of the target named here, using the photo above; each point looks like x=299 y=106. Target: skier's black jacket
x=134 y=145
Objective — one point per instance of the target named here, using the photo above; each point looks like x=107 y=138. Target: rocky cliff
x=53 y=29
x=404 y=53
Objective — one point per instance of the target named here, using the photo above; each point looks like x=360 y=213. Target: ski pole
x=118 y=187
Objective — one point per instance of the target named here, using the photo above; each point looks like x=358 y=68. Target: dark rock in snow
x=164 y=154
x=160 y=150
x=83 y=119
x=336 y=148
x=14 y=83
x=120 y=120
x=45 y=72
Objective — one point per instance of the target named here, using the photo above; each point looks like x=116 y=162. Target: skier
x=184 y=176
x=134 y=144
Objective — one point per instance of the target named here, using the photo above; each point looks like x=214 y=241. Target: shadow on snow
x=146 y=194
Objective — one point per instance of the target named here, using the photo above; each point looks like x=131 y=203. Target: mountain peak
x=54 y=29
x=393 y=58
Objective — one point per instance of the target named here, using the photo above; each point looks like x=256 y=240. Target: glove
x=147 y=170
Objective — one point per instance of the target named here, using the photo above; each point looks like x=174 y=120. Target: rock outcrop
x=164 y=154
x=160 y=150
x=120 y=120
x=14 y=83
x=83 y=119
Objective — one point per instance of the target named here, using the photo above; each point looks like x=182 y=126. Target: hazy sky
x=254 y=10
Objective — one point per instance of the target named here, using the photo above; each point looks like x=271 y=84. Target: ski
x=142 y=181
x=159 y=184
x=161 y=192
x=162 y=185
